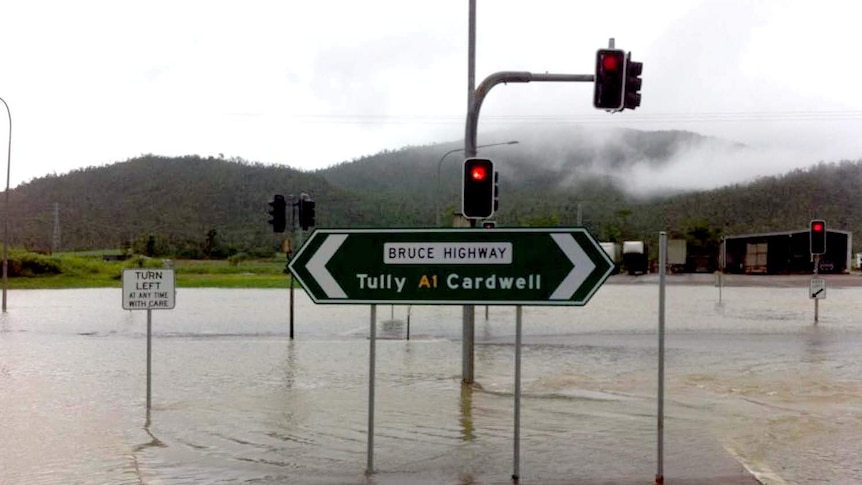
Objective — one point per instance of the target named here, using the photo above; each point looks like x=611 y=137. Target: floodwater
x=235 y=401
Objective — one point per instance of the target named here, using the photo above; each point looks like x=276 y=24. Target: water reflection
x=466 y=421
x=154 y=442
x=815 y=344
x=392 y=329
x=4 y=322
x=290 y=370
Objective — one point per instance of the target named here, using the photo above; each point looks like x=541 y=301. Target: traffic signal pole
x=291 y=245
x=475 y=99
x=468 y=315
x=506 y=77
x=817 y=247
x=816 y=301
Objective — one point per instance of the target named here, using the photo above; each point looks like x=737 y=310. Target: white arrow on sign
x=583 y=266
x=317 y=266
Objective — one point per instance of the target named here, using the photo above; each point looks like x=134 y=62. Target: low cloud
x=645 y=163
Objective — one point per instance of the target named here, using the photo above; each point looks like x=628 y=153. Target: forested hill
x=200 y=207
x=176 y=200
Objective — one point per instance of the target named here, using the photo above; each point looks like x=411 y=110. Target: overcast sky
x=314 y=83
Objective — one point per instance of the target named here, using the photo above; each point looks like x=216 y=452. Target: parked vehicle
x=635 y=257
x=676 y=255
x=615 y=252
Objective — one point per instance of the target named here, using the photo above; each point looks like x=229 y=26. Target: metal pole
x=371 y=369
x=149 y=356
x=437 y=192
x=471 y=58
x=291 y=307
x=292 y=300
x=298 y=244
x=517 y=451
x=6 y=210
x=475 y=106
x=289 y=258
x=468 y=313
x=816 y=300
x=721 y=264
x=662 y=263
x=468 y=316
x=475 y=95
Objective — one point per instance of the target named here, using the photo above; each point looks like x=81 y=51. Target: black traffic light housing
x=817 y=235
x=632 y=98
x=610 y=80
x=478 y=186
x=496 y=191
x=306 y=212
x=278 y=213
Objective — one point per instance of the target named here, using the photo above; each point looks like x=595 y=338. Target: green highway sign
x=518 y=266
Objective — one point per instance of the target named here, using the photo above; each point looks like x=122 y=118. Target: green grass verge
x=77 y=270
x=232 y=281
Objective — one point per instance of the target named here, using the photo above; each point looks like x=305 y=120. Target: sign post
x=149 y=289
x=662 y=272
x=817 y=292
x=519 y=266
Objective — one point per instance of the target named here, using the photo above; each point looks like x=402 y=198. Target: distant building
x=786 y=252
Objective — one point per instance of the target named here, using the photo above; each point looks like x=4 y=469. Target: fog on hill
x=642 y=163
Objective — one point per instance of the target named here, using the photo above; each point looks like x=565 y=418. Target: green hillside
x=211 y=207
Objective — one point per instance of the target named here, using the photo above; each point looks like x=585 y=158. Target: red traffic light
x=817 y=236
x=611 y=63
x=478 y=173
x=478 y=188
x=609 y=86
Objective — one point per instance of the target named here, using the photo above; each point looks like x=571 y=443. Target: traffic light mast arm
x=508 y=77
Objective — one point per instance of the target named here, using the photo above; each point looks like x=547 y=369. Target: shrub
x=33 y=264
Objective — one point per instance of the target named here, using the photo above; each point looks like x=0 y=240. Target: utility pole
x=55 y=239
x=6 y=209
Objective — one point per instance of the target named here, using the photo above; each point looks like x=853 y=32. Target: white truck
x=615 y=252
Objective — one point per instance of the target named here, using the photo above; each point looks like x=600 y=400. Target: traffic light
x=306 y=213
x=632 y=83
x=818 y=236
x=477 y=189
x=279 y=218
x=488 y=224
x=610 y=80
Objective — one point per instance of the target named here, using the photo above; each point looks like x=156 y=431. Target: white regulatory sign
x=148 y=289
x=817 y=289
